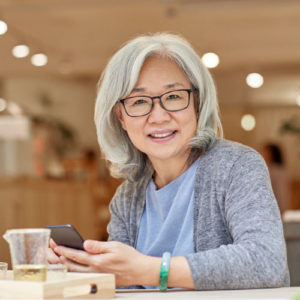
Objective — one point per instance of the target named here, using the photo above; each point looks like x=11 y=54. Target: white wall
x=73 y=102
x=268 y=124
x=70 y=101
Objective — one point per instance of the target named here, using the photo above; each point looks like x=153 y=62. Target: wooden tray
x=74 y=285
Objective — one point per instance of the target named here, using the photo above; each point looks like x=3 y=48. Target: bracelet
x=164 y=270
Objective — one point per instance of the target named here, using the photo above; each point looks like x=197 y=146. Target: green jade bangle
x=164 y=271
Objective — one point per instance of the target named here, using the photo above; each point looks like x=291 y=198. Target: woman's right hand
x=52 y=258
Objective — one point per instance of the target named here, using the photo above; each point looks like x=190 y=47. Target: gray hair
x=118 y=80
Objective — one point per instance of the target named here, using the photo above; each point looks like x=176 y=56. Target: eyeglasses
x=138 y=106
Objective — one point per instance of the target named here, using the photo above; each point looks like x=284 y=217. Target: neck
x=167 y=171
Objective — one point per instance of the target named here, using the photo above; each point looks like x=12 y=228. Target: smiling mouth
x=161 y=135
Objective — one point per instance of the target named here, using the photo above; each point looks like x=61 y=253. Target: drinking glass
x=3 y=269
x=28 y=251
x=56 y=272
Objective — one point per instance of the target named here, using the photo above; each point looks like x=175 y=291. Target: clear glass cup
x=28 y=251
x=56 y=272
x=3 y=270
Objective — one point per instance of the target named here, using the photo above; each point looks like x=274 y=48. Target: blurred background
x=51 y=55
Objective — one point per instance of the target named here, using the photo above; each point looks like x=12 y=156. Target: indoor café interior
x=52 y=53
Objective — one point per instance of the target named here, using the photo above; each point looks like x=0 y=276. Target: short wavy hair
x=118 y=80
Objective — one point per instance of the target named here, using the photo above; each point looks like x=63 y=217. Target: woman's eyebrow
x=138 y=89
x=167 y=86
x=175 y=84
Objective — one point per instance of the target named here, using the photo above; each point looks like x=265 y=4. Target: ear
x=118 y=110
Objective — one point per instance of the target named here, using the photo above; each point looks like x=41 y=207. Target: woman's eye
x=139 y=102
x=173 y=97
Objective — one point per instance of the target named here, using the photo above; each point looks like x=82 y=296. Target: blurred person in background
x=274 y=159
x=195 y=210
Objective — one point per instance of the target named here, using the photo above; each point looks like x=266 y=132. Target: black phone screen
x=66 y=235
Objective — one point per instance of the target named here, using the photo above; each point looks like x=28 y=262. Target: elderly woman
x=195 y=211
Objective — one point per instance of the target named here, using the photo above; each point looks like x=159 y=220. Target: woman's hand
x=52 y=258
x=129 y=266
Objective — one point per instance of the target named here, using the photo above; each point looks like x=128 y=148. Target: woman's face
x=161 y=135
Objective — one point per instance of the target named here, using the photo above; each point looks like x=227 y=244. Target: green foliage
x=291 y=126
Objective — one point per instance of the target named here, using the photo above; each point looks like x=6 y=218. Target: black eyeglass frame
x=161 y=104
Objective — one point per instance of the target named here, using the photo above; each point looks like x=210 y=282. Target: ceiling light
x=255 y=80
x=3 y=27
x=3 y=104
x=248 y=122
x=39 y=59
x=210 y=60
x=20 y=51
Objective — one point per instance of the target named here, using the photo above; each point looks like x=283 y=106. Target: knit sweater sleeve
x=118 y=225
x=256 y=258
x=126 y=209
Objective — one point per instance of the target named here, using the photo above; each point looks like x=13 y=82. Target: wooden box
x=73 y=285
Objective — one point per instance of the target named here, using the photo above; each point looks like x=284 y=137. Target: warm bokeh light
x=298 y=100
x=20 y=51
x=39 y=59
x=255 y=80
x=248 y=122
x=210 y=60
x=3 y=27
x=3 y=104
x=14 y=109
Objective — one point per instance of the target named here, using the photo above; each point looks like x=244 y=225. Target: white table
x=278 y=294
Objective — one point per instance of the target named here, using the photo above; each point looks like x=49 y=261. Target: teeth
x=161 y=135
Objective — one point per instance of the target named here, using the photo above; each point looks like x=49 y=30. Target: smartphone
x=66 y=235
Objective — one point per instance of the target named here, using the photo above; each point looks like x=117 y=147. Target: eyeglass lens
x=171 y=101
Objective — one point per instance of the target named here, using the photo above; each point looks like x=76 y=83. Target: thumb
x=95 y=247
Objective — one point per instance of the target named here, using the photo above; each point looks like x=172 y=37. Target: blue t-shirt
x=167 y=220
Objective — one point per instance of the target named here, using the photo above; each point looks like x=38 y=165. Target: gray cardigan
x=238 y=236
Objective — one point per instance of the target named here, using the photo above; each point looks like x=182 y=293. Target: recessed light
x=255 y=80
x=248 y=122
x=210 y=60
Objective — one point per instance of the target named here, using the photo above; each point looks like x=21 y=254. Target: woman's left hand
x=129 y=266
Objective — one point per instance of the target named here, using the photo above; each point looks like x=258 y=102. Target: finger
x=52 y=244
x=96 y=247
x=78 y=256
x=52 y=258
x=74 y=267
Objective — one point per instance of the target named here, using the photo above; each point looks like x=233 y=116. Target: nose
x=158 y=114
